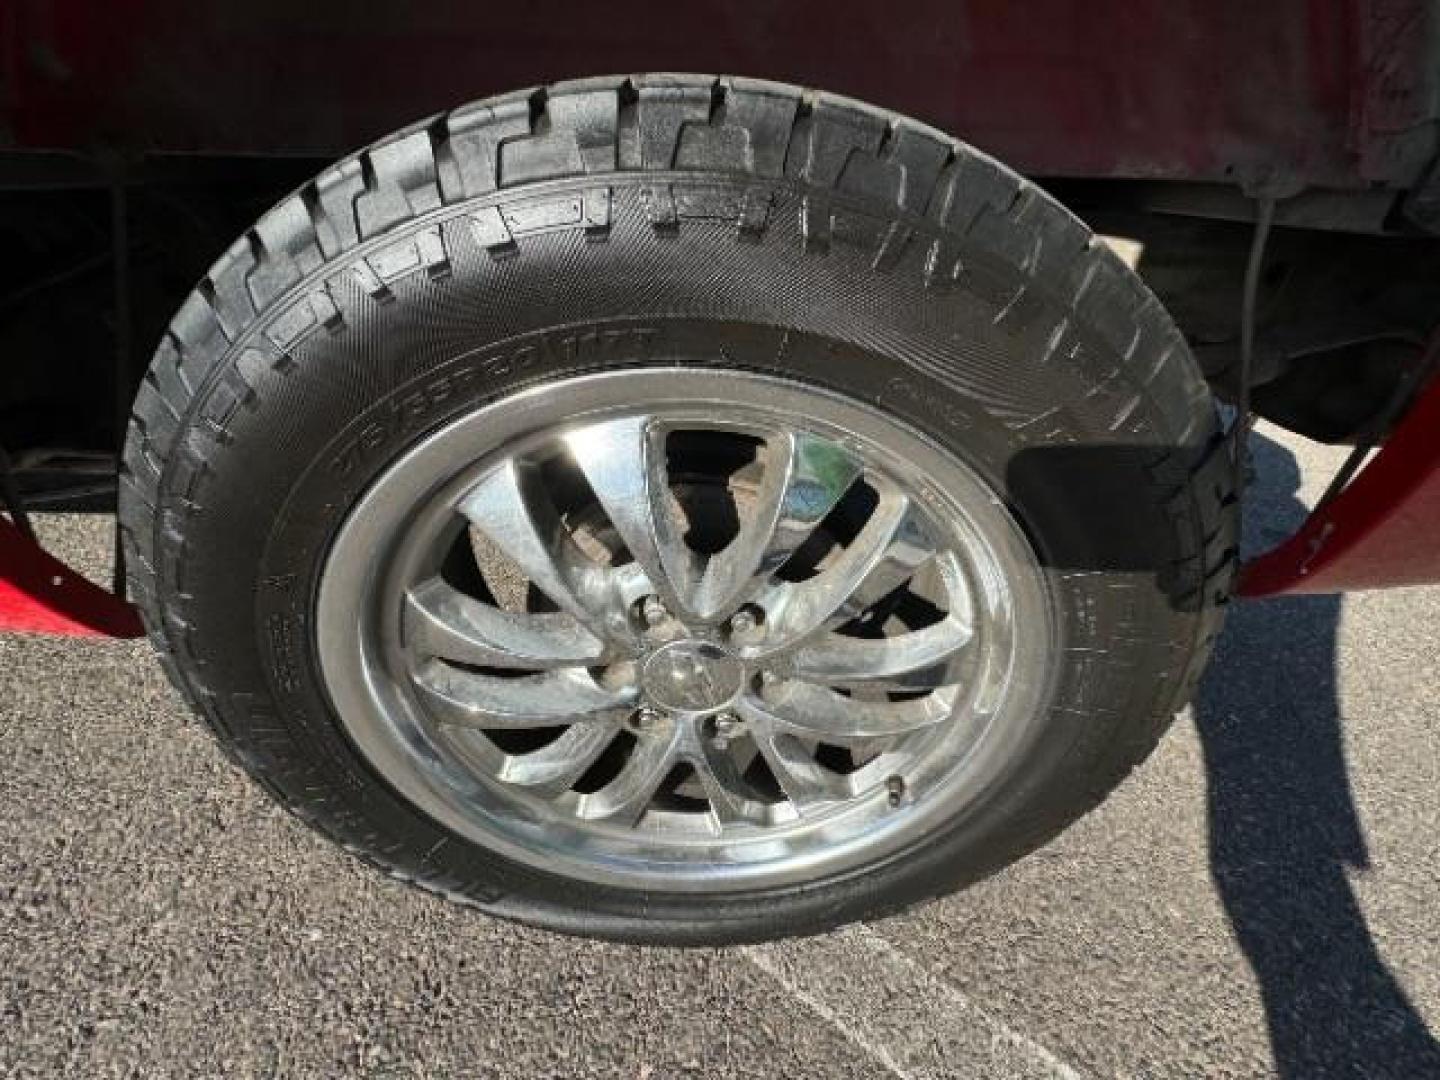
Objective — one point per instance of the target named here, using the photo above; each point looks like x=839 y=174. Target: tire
x=693 y=225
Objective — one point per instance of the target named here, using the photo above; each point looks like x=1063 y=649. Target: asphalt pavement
x=1259 y=898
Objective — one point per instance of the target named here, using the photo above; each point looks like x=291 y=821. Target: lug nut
x=618 y=675
x=645 y=719
x=727 y=726
x=653 y=611
x=745 y=623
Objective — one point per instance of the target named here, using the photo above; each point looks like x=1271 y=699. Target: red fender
x=1382 y=529
x=39 y=594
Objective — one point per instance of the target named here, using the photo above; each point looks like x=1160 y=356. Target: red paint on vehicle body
x=1336 y=93
x=39 y=594
x=1381 y=530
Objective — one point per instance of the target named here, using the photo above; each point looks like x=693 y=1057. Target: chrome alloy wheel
x=684 y=629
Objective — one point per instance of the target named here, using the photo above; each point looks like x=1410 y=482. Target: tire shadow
x=1284 y=831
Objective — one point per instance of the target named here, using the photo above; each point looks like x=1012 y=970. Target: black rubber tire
x=611 y=222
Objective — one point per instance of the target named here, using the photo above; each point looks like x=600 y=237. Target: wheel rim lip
x=380 y=715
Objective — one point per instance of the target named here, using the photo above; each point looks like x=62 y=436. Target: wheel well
x=1347 y=297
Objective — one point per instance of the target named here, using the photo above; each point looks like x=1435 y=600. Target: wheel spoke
x=624 y=799
x=513 y=509
x=817 y=712
x=547 y=699
x=442 y=621
x=803 y=479
x=885 y=554
x=624 y=461
x=804 y=781
x=556 y=768
x=720 y=776
x=837 y=659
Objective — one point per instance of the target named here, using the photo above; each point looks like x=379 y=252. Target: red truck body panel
x=41 y=595
x=1337 y=93
x=1383 y=529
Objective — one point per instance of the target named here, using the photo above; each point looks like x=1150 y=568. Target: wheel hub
x=692 y=677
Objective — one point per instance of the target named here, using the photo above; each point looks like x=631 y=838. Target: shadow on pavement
x=1284 y=832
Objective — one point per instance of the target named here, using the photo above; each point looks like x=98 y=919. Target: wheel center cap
x=692 y=677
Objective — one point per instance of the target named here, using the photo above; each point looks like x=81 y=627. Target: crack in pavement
x=909 y=1020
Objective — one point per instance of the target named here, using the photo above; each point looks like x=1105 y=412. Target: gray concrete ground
x=1259 y=898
